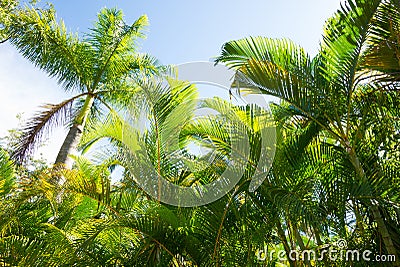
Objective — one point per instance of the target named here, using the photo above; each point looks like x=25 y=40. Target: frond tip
x=39 y=125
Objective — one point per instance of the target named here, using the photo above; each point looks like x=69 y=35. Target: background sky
x=180 y=31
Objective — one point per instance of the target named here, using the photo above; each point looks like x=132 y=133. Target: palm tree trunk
x=317 y=235
x=299 y=241
x=376 y=214
x=318 y=239
x=69 y=146
x=282 y=237
x=397 y=210
x=74 y=135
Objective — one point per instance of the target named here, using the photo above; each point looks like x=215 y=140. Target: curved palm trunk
x=74 y=135
x=69 y=146
x=376 y=214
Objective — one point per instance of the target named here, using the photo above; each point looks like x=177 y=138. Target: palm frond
x=40 y=125
x=45 y=42
x=275 y=66
x=345 y=35
x=113 y=40
x=7 y=173
x=382 y=53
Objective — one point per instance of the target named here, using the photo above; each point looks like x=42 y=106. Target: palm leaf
x=7 y=173
x=41 y=124
x=45 y=42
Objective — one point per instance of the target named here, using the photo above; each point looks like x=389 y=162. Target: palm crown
x=329 y=90
x=96 y=68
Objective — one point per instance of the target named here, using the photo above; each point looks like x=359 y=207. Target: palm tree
x=207 y=230
x=97 y=68
x=93 y=213
x=329 y=92
x=98 y=223
x=337 y=154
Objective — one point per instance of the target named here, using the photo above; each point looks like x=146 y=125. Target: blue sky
x=179 y=31
x=195 y=30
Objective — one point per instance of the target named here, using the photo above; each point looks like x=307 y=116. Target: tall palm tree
x=294 y=207
x=207 y=231
x=96 y=68
x=326 y=90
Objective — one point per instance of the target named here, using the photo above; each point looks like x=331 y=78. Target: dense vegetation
x=334 y=180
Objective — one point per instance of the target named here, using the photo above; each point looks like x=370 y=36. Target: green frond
x=45 y=42
x=345 y=36
x=112 y=41
x=7 y=174
x=382 y=52
x=274 y=66
x=97 y=187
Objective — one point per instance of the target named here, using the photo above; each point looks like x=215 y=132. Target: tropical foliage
x=96 y=68
x=332 y=185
